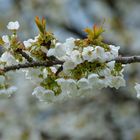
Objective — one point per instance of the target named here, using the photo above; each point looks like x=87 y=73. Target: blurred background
x=109 y=114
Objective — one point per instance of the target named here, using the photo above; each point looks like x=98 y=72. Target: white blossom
x=105 y=72
x=68 y=86
x=43 y=94
x=93 y=79
x=114 y=51
x=28 y=43
x=13 y=25
x=60 y=50
x=51 y=52
x=87 y=53
x=111 y=65
x=68 y=65
x=8 y=58
x=83 y=83
x=69 y=45
x=84 y=87
x=117 y=81
x=6 y=40
x=71 y=87
x=76 y=57
x=96 y=82
x=33 y=75
x=99 y=54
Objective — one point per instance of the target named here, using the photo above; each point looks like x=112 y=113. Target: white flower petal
x=68 y=65
x=114 y=51
x=71 y=87
x=99 y=54
x=117 y=81
x=5 y=38
x=76 y=57
x=69 y=45
x=87 y=53
x=111 y=65
x=96 y=82
x=8 y=58
x=83 y=83
x=60 y=50
x=43 y=94
x=13 y=25
x=28 y=43
x=51 y=52
x=105 y=72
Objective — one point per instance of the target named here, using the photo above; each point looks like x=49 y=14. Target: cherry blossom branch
x=127 y=59
x=120 y=59
x=31 y=64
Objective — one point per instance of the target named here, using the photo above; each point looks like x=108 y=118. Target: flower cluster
x=86 y=69
x=86 y=64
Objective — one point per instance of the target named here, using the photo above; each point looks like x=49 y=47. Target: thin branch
x=59 y=70
x=31 y=64
x=25 y=55
x=128 y=59
x=120 y=59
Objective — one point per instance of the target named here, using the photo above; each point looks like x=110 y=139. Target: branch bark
x=120 y=59
x=31 y=64
x=25 y=55
x=128 y=59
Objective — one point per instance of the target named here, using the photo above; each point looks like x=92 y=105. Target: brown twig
x=120 y=59
x=59 y=70
x=128 y=59
x=31 y=64
x=25 y=55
